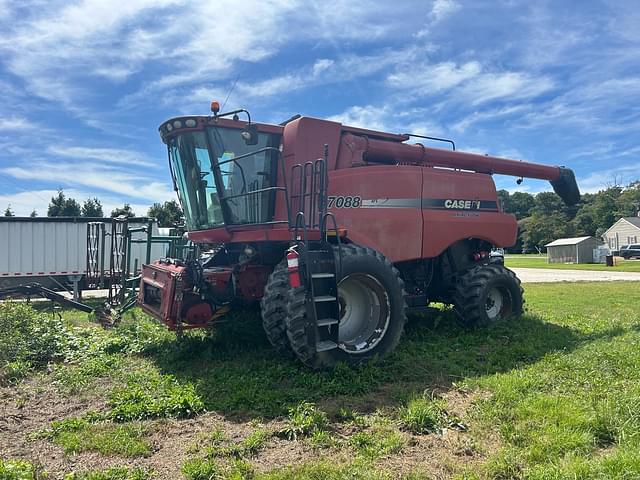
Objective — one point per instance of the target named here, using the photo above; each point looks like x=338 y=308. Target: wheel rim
x=364 y=313
x=498 y=303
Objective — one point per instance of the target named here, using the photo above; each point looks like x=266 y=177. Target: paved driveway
x=537 y=275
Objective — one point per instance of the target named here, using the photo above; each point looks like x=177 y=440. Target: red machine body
x=410 y=202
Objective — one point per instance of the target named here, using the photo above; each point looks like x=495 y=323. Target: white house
x=623 y=232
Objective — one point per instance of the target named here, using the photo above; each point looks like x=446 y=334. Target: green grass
x=20 y=470
x=559 y=388
x=540 y=261
x=423 y=415
x=114 y=473
x=149 y=394
x=574 y=410
x=380 y=440
x=326 y=470
x=76 y=435
x=304 y=419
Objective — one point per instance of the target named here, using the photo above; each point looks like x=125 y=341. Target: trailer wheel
x=488 y=293
x=372 y=311
x=273 y=307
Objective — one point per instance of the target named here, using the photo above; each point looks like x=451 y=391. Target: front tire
x=372 y=311
x=273 y=308
x=486 y=294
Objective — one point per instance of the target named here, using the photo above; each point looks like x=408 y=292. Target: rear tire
x=273 y=308
x=373 y=311
x=486 y=294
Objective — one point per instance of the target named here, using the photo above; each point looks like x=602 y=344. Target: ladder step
x=325 y=322
x=322 y=275
x=325 y=298
x=326 y=345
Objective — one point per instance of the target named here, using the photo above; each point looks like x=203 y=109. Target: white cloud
x=434 y=78
x=108 y=155
x=511 y=85
x=440 y=10
x=443 y=8
x=97 y=178
x=472 y=82
x=15 y=123
x=60 y=46
x=368 y=116
x=322 y=71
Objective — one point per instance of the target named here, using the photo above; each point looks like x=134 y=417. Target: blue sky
x=84 y=85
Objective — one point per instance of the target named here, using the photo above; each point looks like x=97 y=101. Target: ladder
x=317 y=257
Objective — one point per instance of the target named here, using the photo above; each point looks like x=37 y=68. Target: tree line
x=543 y=217
x=167 y=214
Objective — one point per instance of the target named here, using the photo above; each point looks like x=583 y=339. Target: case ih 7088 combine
x=337 y=231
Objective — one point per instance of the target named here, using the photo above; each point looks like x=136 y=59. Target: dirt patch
x=34 y=404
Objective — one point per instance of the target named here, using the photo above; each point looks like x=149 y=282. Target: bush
x=28 y=339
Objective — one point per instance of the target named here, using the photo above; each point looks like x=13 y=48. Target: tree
x=628 y=203
x=8 y=212
x=521 y=204
x=61 y=206
x=123 y=211
x=33 y=214
x=168 y=214
x=92 y=208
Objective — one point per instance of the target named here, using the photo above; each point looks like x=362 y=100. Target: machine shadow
x=239 y=375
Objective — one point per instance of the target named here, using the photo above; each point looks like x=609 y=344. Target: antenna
x=230 y=91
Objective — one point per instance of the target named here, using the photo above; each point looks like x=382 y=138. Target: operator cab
x=224 y=171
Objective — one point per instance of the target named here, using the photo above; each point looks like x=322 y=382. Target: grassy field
x=552 y=395
x=540 y=261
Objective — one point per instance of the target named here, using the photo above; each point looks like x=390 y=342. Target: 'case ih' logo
x=462 y=204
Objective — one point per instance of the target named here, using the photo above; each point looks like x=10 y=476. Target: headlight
x=190 y=123
x=177 y=124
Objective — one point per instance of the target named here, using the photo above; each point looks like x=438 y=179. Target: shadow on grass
x=238 y=374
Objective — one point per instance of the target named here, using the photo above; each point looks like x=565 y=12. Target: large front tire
x=372 y=311
x=486 y=294
x=273 y=308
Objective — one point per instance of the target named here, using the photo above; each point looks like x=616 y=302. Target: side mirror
x=250 y=134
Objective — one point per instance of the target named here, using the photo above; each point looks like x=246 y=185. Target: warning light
x=215 y=107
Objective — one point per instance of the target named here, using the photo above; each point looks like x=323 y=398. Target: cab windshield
x=205 y=170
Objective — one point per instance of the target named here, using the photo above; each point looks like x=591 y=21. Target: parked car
x=630 y=251
x=497 y=256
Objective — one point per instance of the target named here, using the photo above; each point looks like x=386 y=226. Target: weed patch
x=148 y=394
x=304 y=419
x=324 y=470
x=28 y=339
x=422 y=415
x=79 y=435
x=248 y=447
x=379 y=441
x=20 y=470
x=114 y=473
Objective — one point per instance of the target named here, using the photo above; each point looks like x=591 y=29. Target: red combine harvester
x=337 y=231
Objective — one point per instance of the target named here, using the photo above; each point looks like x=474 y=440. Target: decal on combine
x=462 y=204
x=424 y=203
x=347 y=201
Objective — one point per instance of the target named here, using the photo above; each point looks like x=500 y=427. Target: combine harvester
x=337 y=249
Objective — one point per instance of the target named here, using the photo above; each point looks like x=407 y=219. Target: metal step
x=325 y=298
x=322 y=275
x=326 y=345
x=325 y=322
